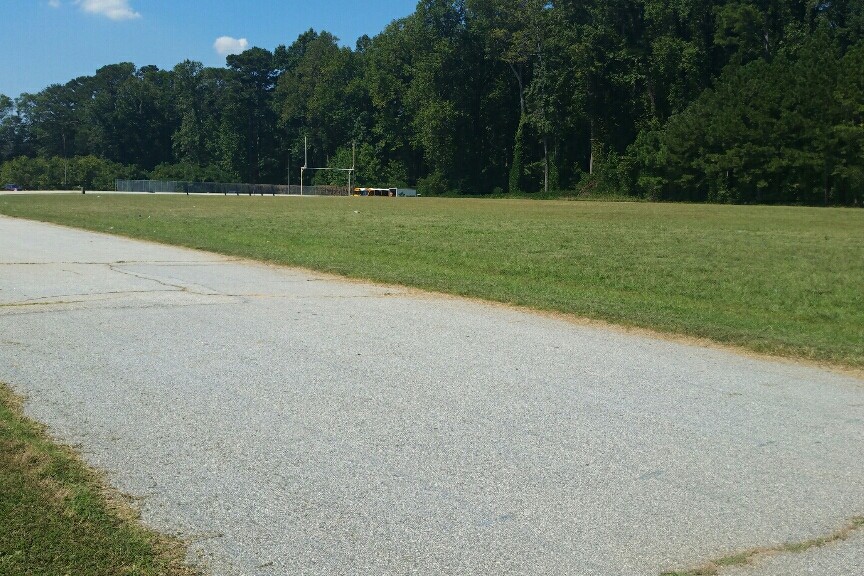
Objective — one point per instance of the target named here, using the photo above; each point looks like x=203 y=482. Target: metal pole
x=351 y=173
x=305 y=162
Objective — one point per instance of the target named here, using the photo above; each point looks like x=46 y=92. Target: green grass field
x=55 y=517
x=787 y=281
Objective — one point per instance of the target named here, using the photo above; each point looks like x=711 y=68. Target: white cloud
x=113 y=9
x=226 y=45
x=54 y=3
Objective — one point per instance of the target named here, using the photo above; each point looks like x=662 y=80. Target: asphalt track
x=290 y=423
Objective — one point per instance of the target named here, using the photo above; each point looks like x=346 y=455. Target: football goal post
x=306 y=167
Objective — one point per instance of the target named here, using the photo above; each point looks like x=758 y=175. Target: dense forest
x=740 y=101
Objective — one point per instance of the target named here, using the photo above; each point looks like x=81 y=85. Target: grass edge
x=169 y=551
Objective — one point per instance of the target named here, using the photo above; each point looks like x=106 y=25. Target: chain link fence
x=181 y=187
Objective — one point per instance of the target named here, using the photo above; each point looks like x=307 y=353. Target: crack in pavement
x=748 y=557
x=34 y=303
x=175 y=287
x=46 y=309
x=87 y=297
x=96 y=297
x=212 y=292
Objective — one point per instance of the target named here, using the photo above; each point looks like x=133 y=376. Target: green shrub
x=57 y=173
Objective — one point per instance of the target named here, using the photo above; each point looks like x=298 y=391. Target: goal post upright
x=351 y=171
x=305 y=163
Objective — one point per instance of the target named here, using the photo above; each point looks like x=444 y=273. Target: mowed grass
x=785 y=281
x=55 y=517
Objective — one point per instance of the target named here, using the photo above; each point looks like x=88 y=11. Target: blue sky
x=54 y=41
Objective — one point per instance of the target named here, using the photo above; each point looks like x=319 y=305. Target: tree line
x=741 y=101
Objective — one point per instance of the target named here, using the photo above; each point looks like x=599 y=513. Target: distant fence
x=181 y=187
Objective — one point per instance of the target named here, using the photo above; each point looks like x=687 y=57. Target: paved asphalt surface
x=289 y=423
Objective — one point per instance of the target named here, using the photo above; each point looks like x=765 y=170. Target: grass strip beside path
x=785 y=281
x=55 y=517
